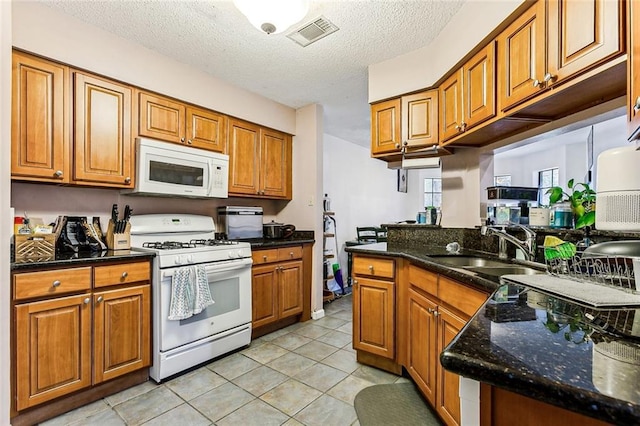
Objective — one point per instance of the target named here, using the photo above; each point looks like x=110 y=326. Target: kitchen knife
x=127 y=213
x=114 y=213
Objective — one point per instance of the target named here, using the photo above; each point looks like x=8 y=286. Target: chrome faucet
x=528 y=246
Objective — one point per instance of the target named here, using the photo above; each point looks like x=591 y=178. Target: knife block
x=121 y=241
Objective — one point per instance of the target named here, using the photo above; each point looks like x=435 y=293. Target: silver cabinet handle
x=127 y=180
x=56 y=283
x=371 y=269
x=548 y=77
x=100 y=299
x=125 y=275
x=264 y=257
x=182 y=140
x=290 y=254
x=636 y=107
x=86 y=301
x=397 y=146
x=457 y=127
x=58 y=173
x=537 y=83
x=189 y=142
x=436 y=313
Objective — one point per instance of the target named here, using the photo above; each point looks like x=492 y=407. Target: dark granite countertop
x=273 y=243
x=75 y=259
x=545 y=347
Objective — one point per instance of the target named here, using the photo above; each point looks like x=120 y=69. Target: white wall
x=461 y=178
x=5 y=195
x=363 y=191
x=423 y=67
x=568 y=152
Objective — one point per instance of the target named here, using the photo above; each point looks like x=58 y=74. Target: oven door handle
x=227 y=265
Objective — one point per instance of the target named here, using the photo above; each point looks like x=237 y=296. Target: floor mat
x=393 y=404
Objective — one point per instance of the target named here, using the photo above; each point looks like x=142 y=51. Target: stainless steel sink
x=469 y=261
x=498 y=271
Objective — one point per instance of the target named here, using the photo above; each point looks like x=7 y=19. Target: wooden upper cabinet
x=39 y=119
x=582 y=34
x=275 y=164
x=633 y=69
x=479 y=87
x=385 y=127
x=161 y=118
x=244 y=155
x=420 y=119
x=172 y=121
x=451 y=106
x=260 y=161
x=521 y=57
x=206 y=129
x=103 y=148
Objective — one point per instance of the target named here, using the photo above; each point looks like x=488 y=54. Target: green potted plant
x=582 y=198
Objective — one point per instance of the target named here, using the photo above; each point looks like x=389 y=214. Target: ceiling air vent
x=312 y=31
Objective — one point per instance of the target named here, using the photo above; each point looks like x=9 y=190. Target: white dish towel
x=190 y=293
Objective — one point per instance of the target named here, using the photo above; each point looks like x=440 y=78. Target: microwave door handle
x=210 y=189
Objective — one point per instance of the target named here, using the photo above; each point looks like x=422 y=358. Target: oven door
x=230 y=286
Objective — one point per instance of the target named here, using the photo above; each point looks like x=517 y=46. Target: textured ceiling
x=214 y=37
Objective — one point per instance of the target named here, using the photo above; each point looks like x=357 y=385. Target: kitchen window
x=547 y=179
x=432 y=192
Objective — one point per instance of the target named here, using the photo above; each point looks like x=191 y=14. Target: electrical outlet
x=311 y=200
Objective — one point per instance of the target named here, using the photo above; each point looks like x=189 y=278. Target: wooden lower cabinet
x=53 y=349
x=447 y=383
x=63 y=343
x=277 y=285
x=373 y=314
x=500 y=407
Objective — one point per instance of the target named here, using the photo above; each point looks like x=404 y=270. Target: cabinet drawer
x=123 y=273
x=384 y=268
x=264 y=256
x=424 y=280
x=460 y=296
x=48 y=283
x=289 y=253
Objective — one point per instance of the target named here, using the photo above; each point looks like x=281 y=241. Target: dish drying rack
x=594 y=280
x=622 y=272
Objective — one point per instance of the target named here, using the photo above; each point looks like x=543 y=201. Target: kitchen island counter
x=541 y=346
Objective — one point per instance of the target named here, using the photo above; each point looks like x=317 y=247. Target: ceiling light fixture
x=273 y=16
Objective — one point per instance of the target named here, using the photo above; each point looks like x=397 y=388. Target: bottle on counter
x=326 y=203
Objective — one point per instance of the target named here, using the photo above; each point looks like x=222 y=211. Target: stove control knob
x=178 y=260
x=190 y=258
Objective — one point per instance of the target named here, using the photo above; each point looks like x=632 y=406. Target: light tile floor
x=305 y=374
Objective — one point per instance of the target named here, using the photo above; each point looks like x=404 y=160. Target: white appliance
x=173 y=170
x=618 y=189
x=187 y=240
x=241 y=222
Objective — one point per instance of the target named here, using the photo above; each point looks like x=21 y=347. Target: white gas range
x=184 y=242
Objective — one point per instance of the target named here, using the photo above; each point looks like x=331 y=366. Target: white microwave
x=172 y=170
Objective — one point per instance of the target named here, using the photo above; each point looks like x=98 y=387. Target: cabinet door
x=53 y=349
x=479 y=87
x=161 y=118
x=385 y=127
x=244 y=154
x=264 y=294
x=290 y=288
x=633 y=69
x=582 y=34
x=420 y=119
x=373 y=316
x=448 y=396
x=103 y=150
x=451 y=106
x=122 y=339
x=39 y=119
x=275 y=164
x=422 y=358
x=521 y=57
x=206 y=129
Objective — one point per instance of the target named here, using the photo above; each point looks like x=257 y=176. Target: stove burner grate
x=212 y=242
x=167 y=245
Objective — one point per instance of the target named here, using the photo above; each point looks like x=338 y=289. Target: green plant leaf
x=586 y=219
x=570 y=184
x=555 y=194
